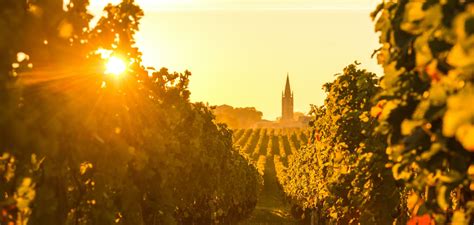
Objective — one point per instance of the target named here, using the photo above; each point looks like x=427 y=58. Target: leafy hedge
x=425 y=106
x=83 y=147
x=341 y=176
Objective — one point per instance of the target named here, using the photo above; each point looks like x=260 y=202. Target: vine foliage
x=341 y=174
x=82 y=147
x=425 y=106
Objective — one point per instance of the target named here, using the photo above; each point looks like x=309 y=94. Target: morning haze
x=240 y=52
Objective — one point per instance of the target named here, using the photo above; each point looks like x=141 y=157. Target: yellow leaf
x=363 y=117
x=409 y=125
x=459 y=114
x=25 y=194
x=423 y=51
x=460 y=57
x=413 y=13
x=465 y=135
x=470 y=170
x=387 y=109
x=441 y=198
x=459 y=218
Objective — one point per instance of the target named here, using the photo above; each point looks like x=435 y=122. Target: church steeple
x=287 y=102
x=287 y=86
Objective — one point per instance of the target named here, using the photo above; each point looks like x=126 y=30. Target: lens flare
x=115 y=66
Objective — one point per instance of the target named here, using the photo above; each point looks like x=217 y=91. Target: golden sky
x=240 y=51
x=247 y=4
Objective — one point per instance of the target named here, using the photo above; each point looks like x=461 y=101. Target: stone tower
x=287 y=102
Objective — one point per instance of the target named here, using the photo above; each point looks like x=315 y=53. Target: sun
x=115 y=66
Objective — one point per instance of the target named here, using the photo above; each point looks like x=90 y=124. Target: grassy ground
x=271 y=208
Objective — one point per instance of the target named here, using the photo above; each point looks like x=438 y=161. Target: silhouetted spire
x=287 y=102
x=287 y=86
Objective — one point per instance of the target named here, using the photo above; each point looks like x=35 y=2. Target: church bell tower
x=287 y=102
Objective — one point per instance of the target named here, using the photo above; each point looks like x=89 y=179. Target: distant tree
x=237 y=117
x=297 y=115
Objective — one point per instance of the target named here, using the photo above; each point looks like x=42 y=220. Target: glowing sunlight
x=115 y=66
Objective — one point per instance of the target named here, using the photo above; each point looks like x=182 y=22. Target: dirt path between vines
x=271 y=208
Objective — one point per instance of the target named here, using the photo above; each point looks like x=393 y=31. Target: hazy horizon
x=241 y=57
x=240 y=51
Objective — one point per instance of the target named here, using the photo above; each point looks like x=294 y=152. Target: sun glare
x=115 y=66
